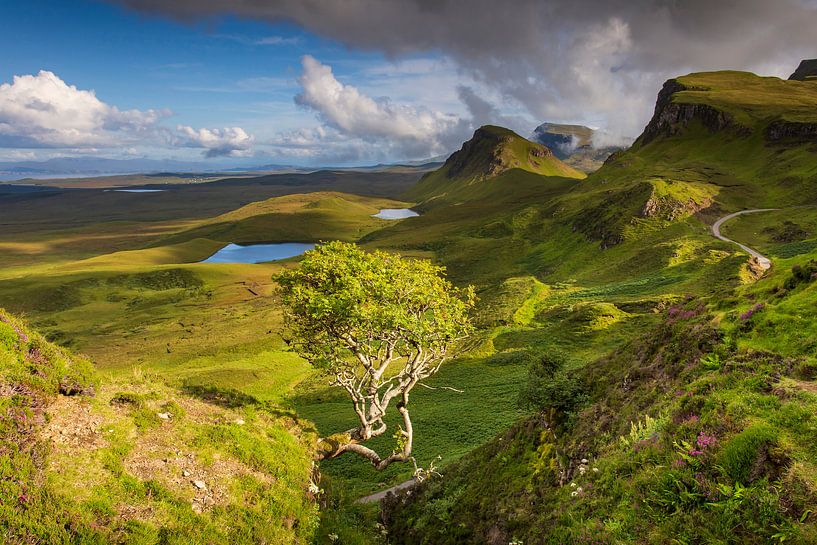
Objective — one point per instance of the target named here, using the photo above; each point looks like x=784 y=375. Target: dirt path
x=764 y=261
x=377 y=496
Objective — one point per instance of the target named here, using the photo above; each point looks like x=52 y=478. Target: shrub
x=743 y=458
x=801 y=274
x=550 y=386
x=128 y=398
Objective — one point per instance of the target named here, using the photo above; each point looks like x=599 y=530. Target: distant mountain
x=574 y=144
x=77 y=167
x=490 y=153
x=563 y=139
x=806 y=71
x=60 y=167
x=82 y=167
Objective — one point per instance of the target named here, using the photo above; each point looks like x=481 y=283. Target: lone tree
x=377 y=325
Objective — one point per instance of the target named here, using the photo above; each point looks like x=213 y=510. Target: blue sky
x=357 y=82
x=223 y=72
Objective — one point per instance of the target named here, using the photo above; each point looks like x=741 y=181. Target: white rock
x=199 y=484
x=185 y=473
x=240 y=422
x=164 y=416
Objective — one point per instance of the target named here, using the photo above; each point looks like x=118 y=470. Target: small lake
x=138 y=190
x=258 y=253
x=396 y=213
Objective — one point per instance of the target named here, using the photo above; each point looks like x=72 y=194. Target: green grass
x=583 y=266
x=706 y=443
x=117 y=471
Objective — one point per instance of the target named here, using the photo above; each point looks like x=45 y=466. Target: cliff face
x=671 y=117
x=806 y=71
x=791 y=131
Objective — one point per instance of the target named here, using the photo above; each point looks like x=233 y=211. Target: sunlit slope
x=84 y=460
x=471 y=172
x=718 y=141
x=300 y=217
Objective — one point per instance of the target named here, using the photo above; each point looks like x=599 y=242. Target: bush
x=745 y=456
x=549 y=386
x=801 y=274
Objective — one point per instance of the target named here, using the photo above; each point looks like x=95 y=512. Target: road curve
x=764 y=261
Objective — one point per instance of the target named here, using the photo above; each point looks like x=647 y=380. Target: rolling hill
x=618 y=269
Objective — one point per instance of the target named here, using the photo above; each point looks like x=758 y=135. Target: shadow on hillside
x=230 y=398
x=223 y=397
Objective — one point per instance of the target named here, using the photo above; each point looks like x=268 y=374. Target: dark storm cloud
x=564 y=59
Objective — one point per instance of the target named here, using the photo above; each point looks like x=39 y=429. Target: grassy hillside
x=134 y=461
x=472 y=171
x=698 y=431
x=583 y=266
x=718 y=141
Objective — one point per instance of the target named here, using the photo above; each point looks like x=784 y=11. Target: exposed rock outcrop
x=672 y=116
x=807 y=71
x=792 y=131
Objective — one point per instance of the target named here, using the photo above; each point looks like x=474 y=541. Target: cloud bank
x=348 y=111
x=43 y=111
x=600 y=61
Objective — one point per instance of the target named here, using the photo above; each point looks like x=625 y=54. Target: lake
x=396 y=213
x=258 y=253
x=138 y=190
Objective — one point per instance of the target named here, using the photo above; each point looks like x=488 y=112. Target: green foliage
x=550 y=386
x=745 y=453
x=801 y=274
x=342 y=297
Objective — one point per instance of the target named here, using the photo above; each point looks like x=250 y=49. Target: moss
x=745 y=456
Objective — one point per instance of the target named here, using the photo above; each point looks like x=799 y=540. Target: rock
x=201 y=485
x=791 y=130
x=807 y=71
x=671 y=117
x=185 y=473
x=164 y=416
x=240 y=422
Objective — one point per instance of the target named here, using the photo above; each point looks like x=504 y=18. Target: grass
x=709 y=443
x=476 y=169
x=583 y=266
x=108 y=468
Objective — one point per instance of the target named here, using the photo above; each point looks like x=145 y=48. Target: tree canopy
x=377 y=324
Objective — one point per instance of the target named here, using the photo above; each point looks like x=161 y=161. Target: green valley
x=680 y=394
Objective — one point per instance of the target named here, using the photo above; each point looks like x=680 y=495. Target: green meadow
x=617 y=271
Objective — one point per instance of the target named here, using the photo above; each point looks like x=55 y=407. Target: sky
x=320 y=82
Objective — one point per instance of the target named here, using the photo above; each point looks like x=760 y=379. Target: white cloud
x=349 y=111
x=43 y=111
x=226 y=142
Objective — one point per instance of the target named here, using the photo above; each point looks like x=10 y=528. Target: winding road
x=762 y=260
